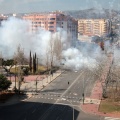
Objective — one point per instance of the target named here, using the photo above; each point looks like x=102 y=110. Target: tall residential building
x=51 y=21
x=92 y=27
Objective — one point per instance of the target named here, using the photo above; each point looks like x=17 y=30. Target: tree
x=54 y=50
x=30 y=62
x=9 y=62
x=35 y=64
x=113 y=78
x=4 y=83
x=19 y=56
x=20 y=59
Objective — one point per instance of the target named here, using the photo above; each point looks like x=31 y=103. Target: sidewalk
x=31 y=87
x=29 y=83
x=91 y=104
x=41 y=82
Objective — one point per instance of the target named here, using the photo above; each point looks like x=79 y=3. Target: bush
x=4 y=83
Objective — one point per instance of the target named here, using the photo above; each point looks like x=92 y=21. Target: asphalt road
x=60 y=100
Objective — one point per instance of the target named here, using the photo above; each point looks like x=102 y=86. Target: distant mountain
x=93 y=13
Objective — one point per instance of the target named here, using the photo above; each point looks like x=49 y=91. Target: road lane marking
x=70 y=86
x=110 y=118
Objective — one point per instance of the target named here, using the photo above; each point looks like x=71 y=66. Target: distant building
x=51 y=21
x=2 y=18
x=92 y=27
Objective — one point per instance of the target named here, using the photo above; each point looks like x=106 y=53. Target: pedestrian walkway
x=110 y=118
x=53 y=98
x=91 y=101
x=91 y=104
x=31 y=86
x=37 y=82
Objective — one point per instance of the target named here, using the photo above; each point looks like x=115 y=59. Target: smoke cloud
x=15 y=32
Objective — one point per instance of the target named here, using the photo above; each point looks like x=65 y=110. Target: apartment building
x=51 y=21
x=92 y=27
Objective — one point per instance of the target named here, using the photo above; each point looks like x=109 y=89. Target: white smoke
x=15 y=32
x=74 y=59
x=12 y=33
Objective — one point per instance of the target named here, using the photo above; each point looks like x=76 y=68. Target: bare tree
x=113 y=80
x=58 y=46
x=19 y=57
x=53 y=52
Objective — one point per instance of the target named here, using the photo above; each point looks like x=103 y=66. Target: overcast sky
x=23 y=6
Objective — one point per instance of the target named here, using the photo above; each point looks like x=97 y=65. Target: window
x=51 y=26
x=52 y=18
x=50 y=22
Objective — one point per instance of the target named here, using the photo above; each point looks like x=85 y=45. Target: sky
x=26 y=6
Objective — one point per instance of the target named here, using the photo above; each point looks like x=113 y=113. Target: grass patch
x=109 y=106
x=40 y=68
x=13 y=70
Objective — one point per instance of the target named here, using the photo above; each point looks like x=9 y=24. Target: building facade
x=92 y=27
x=51 y=21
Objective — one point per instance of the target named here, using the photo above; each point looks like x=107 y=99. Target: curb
x=53 y=79
x=90 y=113
x=29 y=95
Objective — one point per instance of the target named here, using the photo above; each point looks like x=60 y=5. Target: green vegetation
x=41 y=70
x=4 y=83
x=107 y=106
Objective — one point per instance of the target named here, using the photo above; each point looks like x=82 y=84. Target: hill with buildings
x=93 y=13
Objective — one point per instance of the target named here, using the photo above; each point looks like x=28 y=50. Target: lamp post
x=83 y=95
x=15 y=77
x=36 y=83
x=71 y=105
x=19 y=78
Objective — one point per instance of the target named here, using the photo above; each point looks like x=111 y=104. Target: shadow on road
x=37 y=111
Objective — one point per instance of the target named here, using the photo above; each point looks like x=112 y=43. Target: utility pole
x=19 y=78
x=83 y=90
x=15 y=62
x=36 y=82
x=36 y=85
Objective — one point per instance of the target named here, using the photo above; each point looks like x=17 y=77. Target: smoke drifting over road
x=14 y=32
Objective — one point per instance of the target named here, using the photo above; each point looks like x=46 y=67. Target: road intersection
x=56 y=101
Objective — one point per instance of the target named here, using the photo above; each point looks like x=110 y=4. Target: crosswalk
x=57 y=97
x=110 y=118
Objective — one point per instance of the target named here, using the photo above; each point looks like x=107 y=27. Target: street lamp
x=36 y=83
x=15 y=78
x=71 y=105
x=19 y=78
x=83 y=90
